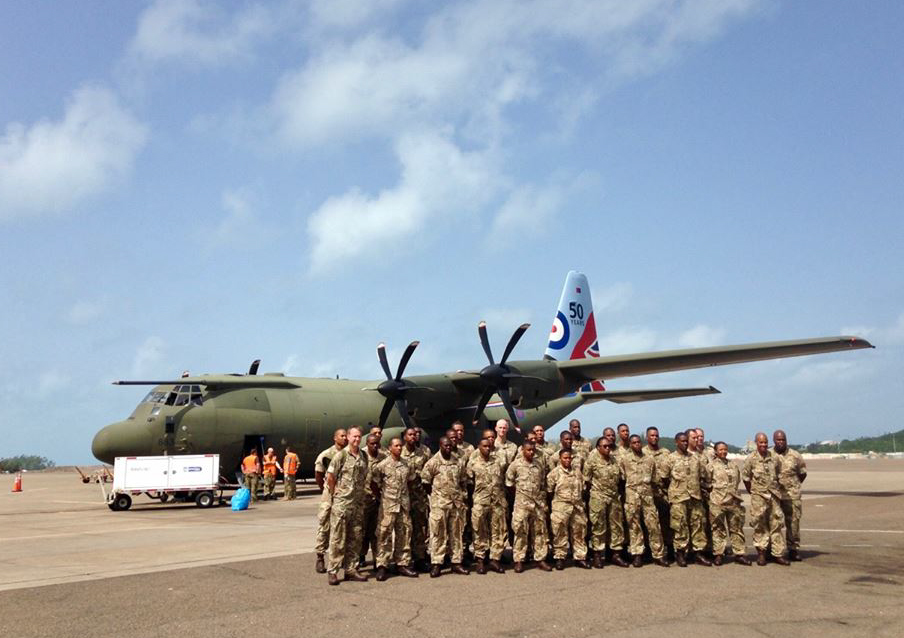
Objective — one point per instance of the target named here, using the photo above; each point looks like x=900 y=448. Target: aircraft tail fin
x=573 y=333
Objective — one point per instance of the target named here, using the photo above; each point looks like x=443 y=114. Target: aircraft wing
x=225 y=381
x=635 y=396
x=671 y=360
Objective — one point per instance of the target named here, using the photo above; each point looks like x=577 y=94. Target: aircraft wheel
x=204 y=499
x=121 y=502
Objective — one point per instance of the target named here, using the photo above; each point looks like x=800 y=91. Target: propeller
x=395 y=388
x=254 y=366
x=497 y=376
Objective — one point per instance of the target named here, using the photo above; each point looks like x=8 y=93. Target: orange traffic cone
x=17 y=486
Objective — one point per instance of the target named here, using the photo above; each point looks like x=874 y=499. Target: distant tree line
x=891 y=442
x=25 y=462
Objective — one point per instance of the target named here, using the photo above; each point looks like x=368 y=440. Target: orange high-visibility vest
x=250 y=465
x=290 y=463
x=270 y=464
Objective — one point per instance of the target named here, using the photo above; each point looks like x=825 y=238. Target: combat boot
x=743 y=560
x=661 y=561
x=560 y=564
x=761 y=557
x=519 y=567
x=618 y=560
x=717 y=560
x=794 y=555
x=320 y=567
x=583 y=564
x=422 y=565
x=481 y=567
x=496 y=567
x=435 y=571
x=700 y=559
x=598 y=560
x=680 y=558
x=780 y=560
x=333 y=579
x=638 y=560
x=405 y=570
x=355 y=577
x=458 y=568
x=381 y=574
x=544 y=566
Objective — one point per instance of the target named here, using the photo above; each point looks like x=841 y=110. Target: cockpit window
x=155 y=397
x=185 y=394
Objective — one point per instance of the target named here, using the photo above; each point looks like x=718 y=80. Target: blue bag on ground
x=241 y=499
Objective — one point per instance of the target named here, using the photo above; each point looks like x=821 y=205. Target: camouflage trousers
x=662 y=507
x=687 y=525
x=323 y=523
x=393 y=538
x=727 y=523
x=445 y=534
x=371 y=514
x=792 y=509
x=606 y=518
x=346 y=533
x=568 y=523
x=420 y=511
x=251 y=483
x=527 y=522
x=289 y=487
x=768 y=523
x=490 y=530
x=641 y=508
x=269 y=485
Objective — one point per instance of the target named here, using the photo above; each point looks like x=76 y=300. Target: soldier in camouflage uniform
x=465 y=449
x=524 y=477
x=792 y=471
x=489 y=435
x=602 y=474
x=566 y=442
x=568 y=517
x=390 y=479
x=488 y=512
x=726 y=511
x=505 y=449
x=371 y=500
x=705 y=454
x=345 y=482
x=760 y=476
x=639 y=471
x=340 y=440
x=660 y=492
x=416 y=456
x=623 y=446
x=580 y=444
x=444 y=475
x=685 y=474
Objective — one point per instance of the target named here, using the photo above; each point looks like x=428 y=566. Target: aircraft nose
x=123 y=438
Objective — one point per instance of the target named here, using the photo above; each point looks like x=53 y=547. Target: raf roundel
x=560 y=333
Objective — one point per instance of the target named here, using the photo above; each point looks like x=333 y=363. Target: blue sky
x=192 y=185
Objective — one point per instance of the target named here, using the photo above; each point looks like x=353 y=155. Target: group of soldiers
x=417 y=511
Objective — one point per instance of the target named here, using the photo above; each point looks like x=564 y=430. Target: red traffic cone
x=17 y=486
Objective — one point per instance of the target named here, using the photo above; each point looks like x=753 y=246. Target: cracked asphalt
x=207 y=573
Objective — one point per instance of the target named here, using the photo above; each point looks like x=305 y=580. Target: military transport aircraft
x=227 y=414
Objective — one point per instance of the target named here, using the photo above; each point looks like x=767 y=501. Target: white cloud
x=438 y=179
x=528 y=210
x=240 y=225
x=826 y=373
x=52 y=166
x=612 y=298
x=149 y=354
x=701 y=336
x=84 y=312
x=199 y=33
x=350 y=13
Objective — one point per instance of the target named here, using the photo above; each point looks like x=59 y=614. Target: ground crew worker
x=580 y=444
x=488 y=515
x=660 y=494
x=685 y=474
x=792 y=471
x=638 y=471
x=443 y=477
x=568 y=518
x=416 y=456
x=390 y=479
x=321 y=464
x=524 y=477
x=251 y=468
x=760 y=476
x=374 y=455
x=345 y=482
x=290 y=469
x=602 y=474
x=271 y=466
x=726 y=511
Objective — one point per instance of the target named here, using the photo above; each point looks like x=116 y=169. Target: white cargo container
x=188 y=477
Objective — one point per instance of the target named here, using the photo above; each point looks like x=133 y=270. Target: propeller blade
x=402 y=407
x=513 y=341
x=405 y=357
x=484 y=341
x=381 y=353
x=254 y=366
x=384 y=413
x=482 y=404
x=507 y=401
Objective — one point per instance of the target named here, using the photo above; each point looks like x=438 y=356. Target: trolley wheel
x=204 y=499
x=164 y=497
x=121 y=502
